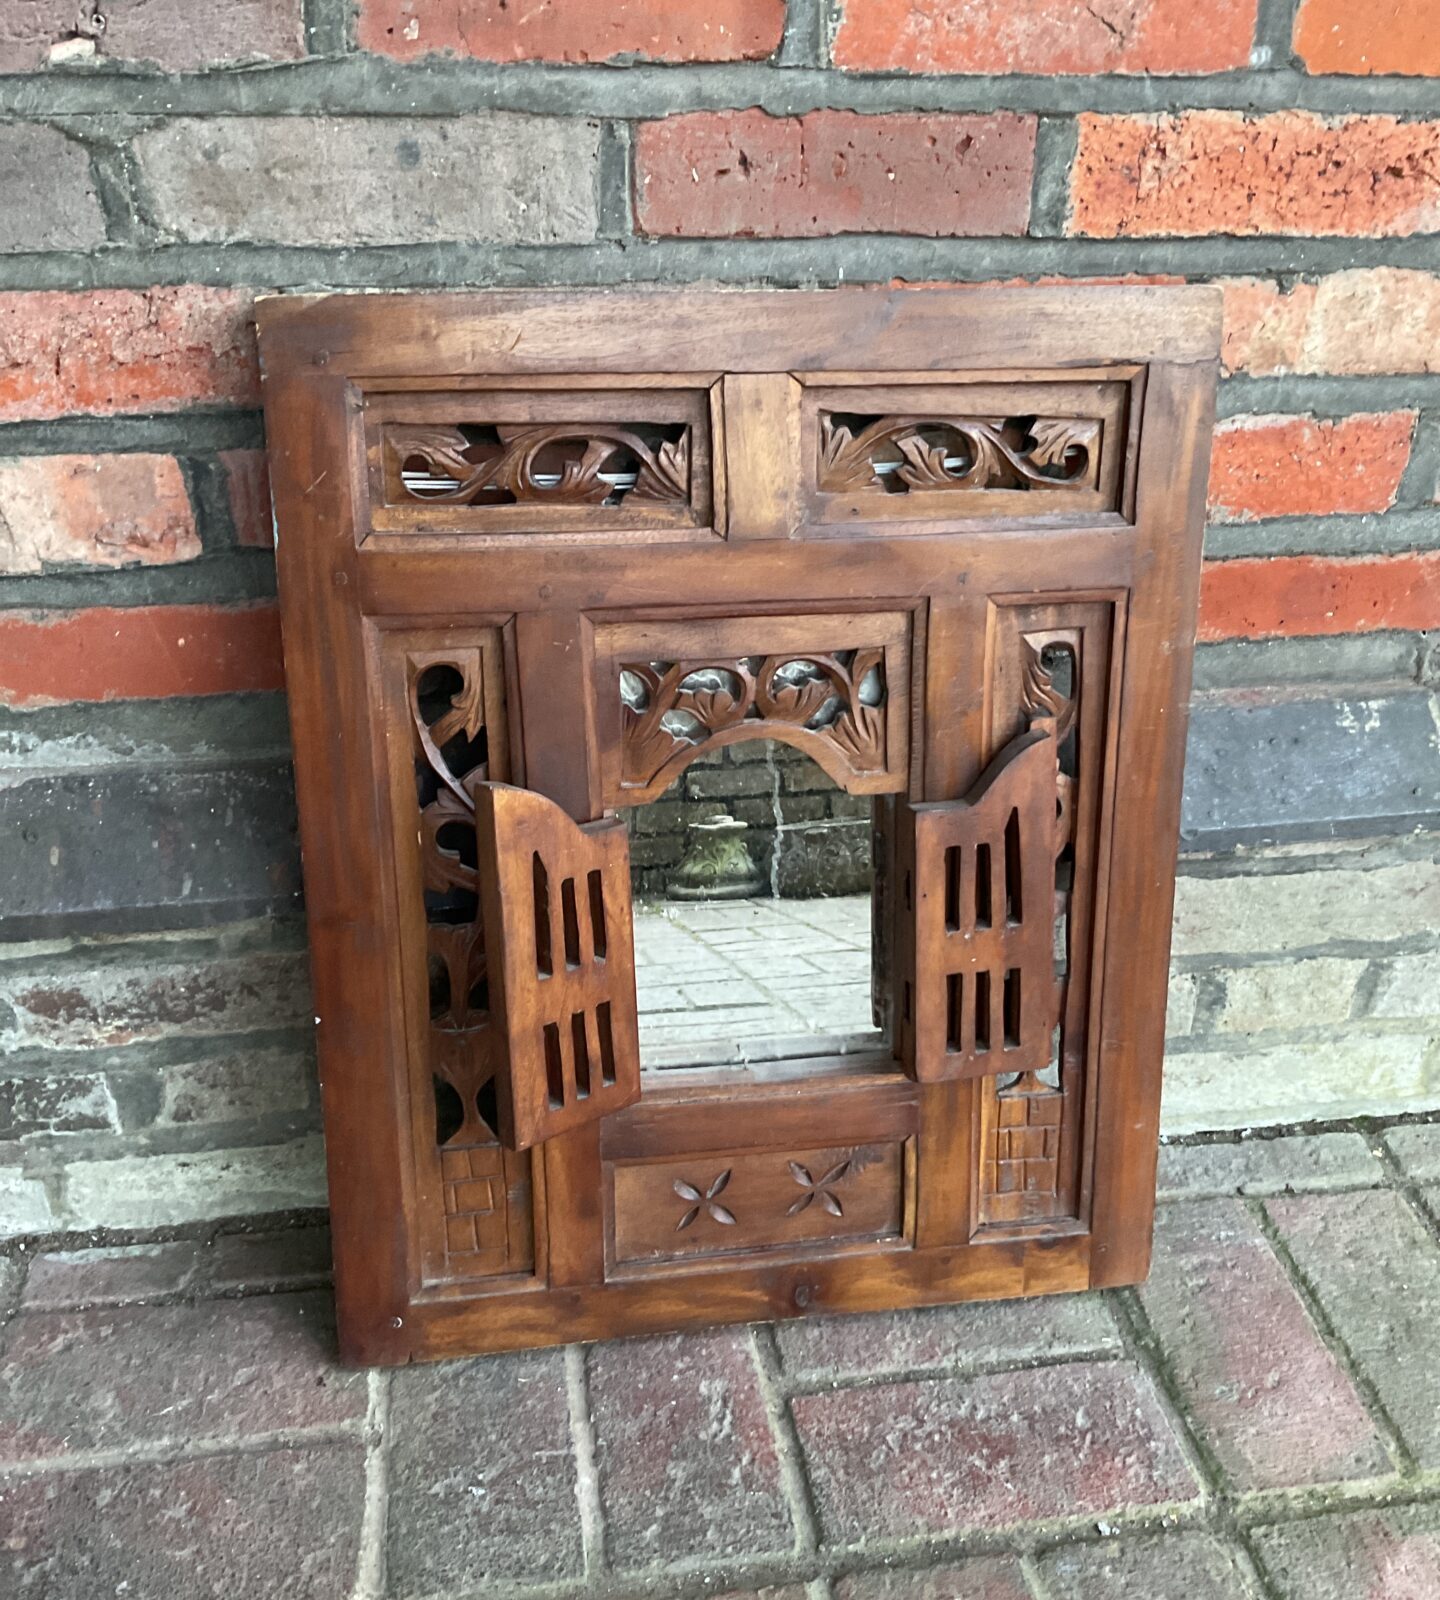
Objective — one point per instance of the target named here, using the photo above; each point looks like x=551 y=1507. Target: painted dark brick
x=114 y=848
x=58 y=1103
x=1286 y=767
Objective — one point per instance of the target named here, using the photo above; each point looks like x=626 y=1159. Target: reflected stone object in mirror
x=717 y=864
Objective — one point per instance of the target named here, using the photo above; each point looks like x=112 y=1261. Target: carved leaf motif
x=1039 y=696
x=1056 y=437
x=714 y=708
x=666 y=474
x=846 y=460
x=443 y=452
x=460 y=946
x=820 y=1191
x=465 y=713
x=924 y=463
x=444 y=868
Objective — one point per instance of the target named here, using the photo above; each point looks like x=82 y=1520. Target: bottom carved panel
x=751 y=1200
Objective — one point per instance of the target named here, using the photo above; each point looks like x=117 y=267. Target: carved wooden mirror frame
x=539 y=549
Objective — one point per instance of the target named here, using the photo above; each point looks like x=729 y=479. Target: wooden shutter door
x=981 y=995
x=555 y=897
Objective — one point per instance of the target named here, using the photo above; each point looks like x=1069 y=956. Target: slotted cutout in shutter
x=981 y=994
x=555 y=896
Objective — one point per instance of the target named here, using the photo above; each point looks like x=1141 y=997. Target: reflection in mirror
x=753 y=883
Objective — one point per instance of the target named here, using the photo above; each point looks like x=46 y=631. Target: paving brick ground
x=1257 y=1423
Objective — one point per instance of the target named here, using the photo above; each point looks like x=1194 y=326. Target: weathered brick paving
x=1258 y=1422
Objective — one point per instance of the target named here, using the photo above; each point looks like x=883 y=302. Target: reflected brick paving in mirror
x=1258 y=1422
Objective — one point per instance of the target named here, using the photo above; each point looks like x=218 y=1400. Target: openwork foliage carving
x=575 y=464
x=673 y=710
x=904 y=454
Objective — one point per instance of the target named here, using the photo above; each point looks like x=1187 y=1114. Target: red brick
x=1278 y=466
x=1045 y=1328
x=1367 y=320
x=144 y=653
x=1392 y=1554
x=1273 y=1403
x=1193 y=1565
x=247 y=479
x=291 y=1258
x=277 y=1523
x=986 y=1578
x=1375 y=1269
x=115 y=1276
x=117 y=350
x=482 y=1477
x=746 y=174
x=94 y=511
x=1312 y=595
x=688 y=1465
x=1221 y=172
x=901 y=1460
x=1362 y=37
x=1043 y=36
x=552 y=30
x=115 y=1376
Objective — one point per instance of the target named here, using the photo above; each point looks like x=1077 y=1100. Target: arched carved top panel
x=836 y=687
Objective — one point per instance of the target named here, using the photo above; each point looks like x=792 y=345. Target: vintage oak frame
x=537 y=550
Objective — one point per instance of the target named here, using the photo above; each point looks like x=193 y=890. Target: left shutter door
x=555 y=898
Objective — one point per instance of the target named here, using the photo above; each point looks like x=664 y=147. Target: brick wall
x=162 y=162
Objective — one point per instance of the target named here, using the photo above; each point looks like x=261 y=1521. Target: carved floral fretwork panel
x=1029 y=1122
x=905 y=454
x=484 y=1189
x=559 y=463
x=833 y=705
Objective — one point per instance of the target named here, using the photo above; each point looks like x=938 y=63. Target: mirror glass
x=753 y=883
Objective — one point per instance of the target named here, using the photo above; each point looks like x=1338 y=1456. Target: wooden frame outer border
x=318 y=350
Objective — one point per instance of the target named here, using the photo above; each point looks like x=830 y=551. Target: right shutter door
x=978 y=887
